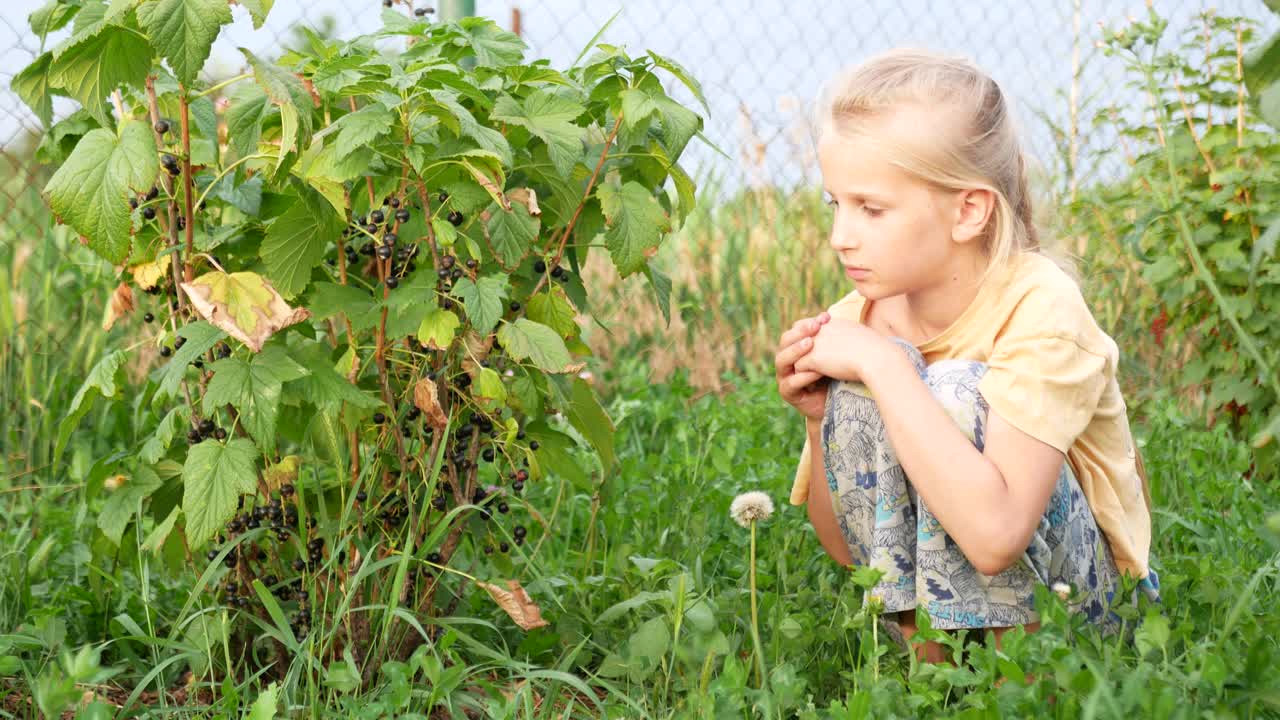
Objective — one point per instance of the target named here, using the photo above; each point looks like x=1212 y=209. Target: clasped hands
x=821 y=348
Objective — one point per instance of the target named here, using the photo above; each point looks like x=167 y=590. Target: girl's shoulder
x=1039 y=297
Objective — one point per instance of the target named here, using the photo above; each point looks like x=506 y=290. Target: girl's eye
x=872 y=212
x=828 y=199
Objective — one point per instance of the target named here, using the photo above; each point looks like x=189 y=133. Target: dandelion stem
x=755 y=623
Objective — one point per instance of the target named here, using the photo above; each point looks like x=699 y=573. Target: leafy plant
x=352 y=420
x=1188 y=237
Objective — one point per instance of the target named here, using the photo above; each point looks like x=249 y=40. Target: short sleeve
x=1046 y=385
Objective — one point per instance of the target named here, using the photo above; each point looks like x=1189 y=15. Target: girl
x=966 y=433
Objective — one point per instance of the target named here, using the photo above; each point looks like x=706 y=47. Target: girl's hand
x=843 y=350
x=805 y=391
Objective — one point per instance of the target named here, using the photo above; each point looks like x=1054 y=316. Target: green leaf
x=99 y=62
x=683 y=76
x=635 y=223
x=362 y=127
x=526 y=339
x=325 y=387
x=465 y=124
x=157 y=536
x=661 y=286
x=550 y=118
x=295 y=244
x=554 y=310
x=287 y=92
x=512 y=231
x=155 y=446
x=249 y=106
x=679 y=125
x=52 y=17
x=1264 y=248
x=90 y=192
x=122 y=504
x=493 y=46
x=101 y=382
x=213 y=478
x=1262 y=65
x=590 y=419
x=438 y=329
x=264 y=708
x=258 y=10
x=637 y=105
x=32 y=85
x=200 y=337
x=489 y=390
x=253 y=388
x=183 y=31
x=483 y=300
x=329 y=299
x=554 y=455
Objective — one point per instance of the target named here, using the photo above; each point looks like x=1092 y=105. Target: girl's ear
x=973 y=211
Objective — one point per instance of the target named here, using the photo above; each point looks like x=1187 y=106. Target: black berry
x=390 y=238
x=488 y=454
x=379 y=418
x=402 y=215
x=152 y=193
x=384 y=252
x=376 y=217
x=220 y=433
x=371 y=228
x=533 y=445
x=456 y=218
x=162 y=126
x=539 y=266
x=504 y=547
x=148 y=317
x=362 y=496
x=133 y=203
x=392 y=283
x=166 y=351
x=394 y=202
x=148 y=212
x=420 y=12
x=558 y=272
x=515 y=306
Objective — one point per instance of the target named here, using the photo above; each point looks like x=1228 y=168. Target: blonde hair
x=981 y=151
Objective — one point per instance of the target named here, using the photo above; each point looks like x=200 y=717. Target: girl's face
x=891 y=231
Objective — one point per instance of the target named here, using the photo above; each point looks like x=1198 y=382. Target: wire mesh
x=761 y=64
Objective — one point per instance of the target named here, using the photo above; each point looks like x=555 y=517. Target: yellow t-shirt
x=1052 y=374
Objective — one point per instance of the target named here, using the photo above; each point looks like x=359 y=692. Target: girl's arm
x=990 y=502
x=820 y=511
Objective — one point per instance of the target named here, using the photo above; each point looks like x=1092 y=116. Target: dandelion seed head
x=749 y=506
x=1062 y=589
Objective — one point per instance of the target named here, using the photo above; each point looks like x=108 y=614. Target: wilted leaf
x=427 y=399
x=121 y=304
x=527 y=197
x=438 y=329
x=243 y=304
x=517 y=603
x=285 y=471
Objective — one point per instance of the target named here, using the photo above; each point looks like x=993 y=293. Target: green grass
x=643 y=576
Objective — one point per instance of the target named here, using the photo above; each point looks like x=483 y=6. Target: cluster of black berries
x=204 y=429
x=559 y=273
x=170 y=164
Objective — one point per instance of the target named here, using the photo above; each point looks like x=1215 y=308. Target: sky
x=761 y=62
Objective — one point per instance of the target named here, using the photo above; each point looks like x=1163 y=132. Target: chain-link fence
x=760 y=62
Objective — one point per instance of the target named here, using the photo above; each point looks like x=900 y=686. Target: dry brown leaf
x=121 y=304
x=489 y=185
x=244 y=304
x=427 y=399
x=528 y=197
x=516 y=603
